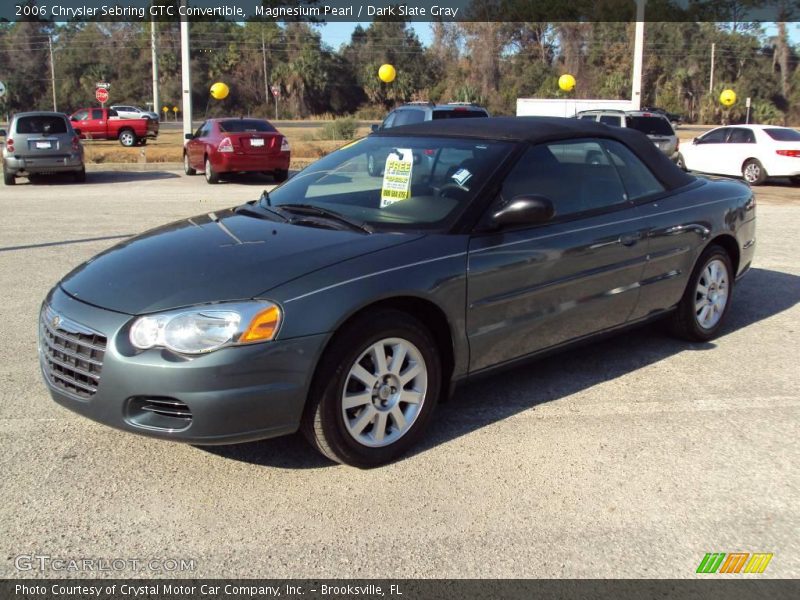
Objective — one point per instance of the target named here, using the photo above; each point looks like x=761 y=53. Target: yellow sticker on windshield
x=397 y=177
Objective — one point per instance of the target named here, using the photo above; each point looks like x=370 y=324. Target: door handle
x=630 y=239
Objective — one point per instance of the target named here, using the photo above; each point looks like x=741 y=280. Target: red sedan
x=223 y=146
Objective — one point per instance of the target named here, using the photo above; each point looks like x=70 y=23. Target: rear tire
x=795 y=180
x=374 y=391
x=708 y=296
x=9 y=178
x=79 y=176
x=127 y=138
x=186 y=166
x=753 y=172
x=211 y=175
x=281 y=175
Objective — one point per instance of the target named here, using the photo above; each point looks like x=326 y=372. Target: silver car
x=126 y=111
x=40 y=143
x=653 y=124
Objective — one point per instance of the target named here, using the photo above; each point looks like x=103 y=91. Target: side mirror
x=525 y=210
x=374 y=127
x=188 y=136
x=3 y=133
x=695 y=142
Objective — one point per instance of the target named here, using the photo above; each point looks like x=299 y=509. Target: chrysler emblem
x=56 y=321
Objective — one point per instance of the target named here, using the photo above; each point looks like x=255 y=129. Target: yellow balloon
x=727 y=98
x=566 y=82
x=219 y=91
x=387 y=73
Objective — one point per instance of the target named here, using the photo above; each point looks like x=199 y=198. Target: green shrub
x=340 y=129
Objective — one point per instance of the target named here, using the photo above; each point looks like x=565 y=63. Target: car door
x=97 y=125
x=195 y=147
x=531 y=288
x=739 y=146
x=706 y=153
x=80 y=120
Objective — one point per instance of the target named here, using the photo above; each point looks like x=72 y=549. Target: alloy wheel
x=711 y=294
x=384 y=392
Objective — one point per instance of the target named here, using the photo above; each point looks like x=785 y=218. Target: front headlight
x=208 y=328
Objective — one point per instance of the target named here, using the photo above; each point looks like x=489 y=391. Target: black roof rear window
x=651 y=125
x=245 y=126
x=783 y=135
x=42 y=124
x=458 y=113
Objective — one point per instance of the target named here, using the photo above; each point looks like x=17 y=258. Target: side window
x=639 y=181
x=740 y=135
x=587 y=118
x=611 y=120
x=717 y=136
x=202 y=131
x=409 y=116
x=576 y=176
x=82 y=115
x=97 y=113
x=389 y=120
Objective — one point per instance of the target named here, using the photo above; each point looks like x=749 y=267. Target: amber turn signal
x=263 y=327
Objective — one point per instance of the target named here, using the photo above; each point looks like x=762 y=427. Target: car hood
x=213 y=258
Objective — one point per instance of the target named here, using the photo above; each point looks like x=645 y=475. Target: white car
x=753 y=152
x=126 y=111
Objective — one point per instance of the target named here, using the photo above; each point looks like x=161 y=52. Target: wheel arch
x=747 y=160
x=428 y=313
x=731 y=246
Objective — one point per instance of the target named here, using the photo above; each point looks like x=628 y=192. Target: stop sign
x=102 y=95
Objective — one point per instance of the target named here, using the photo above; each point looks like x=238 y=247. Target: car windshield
x=43 y=124
x=651 y=125
x=245 y=126
x=783 y=135
x=397 y=183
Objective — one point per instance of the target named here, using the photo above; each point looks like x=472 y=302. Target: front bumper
x=236 y=394
x=44 y=164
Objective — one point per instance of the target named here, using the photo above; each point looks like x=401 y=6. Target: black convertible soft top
x=546 y=129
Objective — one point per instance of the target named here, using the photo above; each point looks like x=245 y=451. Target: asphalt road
x=632 y=457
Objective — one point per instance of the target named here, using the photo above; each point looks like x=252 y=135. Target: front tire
x=211 y=175
x=127 y=138
x=795 y=180
x=753 y=172
x=187 y=168
x=374 y=391
x=705 y=303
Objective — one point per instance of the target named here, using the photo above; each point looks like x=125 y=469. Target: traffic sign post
x=101 y=94
x=276 y=92
x=175 y=109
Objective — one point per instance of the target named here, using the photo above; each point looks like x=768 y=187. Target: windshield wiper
x=266 y=214
x=310 y=209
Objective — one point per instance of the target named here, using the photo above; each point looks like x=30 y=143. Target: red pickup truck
x=104 y=124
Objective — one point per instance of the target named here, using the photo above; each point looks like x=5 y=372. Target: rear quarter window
x=651 y=125
x=458 y=114
x=783 y=135
x=43 y=125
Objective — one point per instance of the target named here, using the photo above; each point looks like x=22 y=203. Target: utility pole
x=638 y=56
x=711 y=79
x=186 y=74
x=156 y=107
x=266 y=78
x=52 y=72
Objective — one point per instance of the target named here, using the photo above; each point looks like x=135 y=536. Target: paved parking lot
x=632 y=457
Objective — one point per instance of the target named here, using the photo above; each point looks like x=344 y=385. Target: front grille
x=71 y=354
